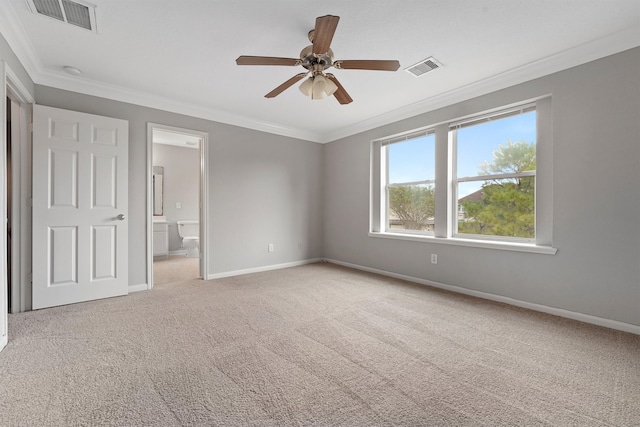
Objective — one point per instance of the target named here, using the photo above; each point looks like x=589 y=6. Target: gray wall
x=181 y=184
x=263 y=188
x=596 y=200
x=270 y=189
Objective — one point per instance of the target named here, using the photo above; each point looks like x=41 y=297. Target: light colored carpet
x=314 y=345
x=175 y=268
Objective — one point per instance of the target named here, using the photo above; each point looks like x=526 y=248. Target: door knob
x=120 y=217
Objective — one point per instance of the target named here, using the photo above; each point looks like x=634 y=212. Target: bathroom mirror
x=158 y=181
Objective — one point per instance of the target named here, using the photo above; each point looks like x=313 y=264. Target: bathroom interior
x=175 y=189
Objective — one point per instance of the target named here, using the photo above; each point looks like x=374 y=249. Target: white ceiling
x=179 y=55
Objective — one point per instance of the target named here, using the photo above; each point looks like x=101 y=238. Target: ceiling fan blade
x=286 y=85
x=341 y=95
x=364 y=64
x=266 y=60
x=323 y=33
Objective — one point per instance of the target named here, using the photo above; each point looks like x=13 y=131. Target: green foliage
x=514 y=157
x=413 y=205
x=507 y=207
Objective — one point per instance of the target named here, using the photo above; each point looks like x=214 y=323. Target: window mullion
x=453 y=183
x=441 y=219
x=385 y=208
x=402 y=184
x=497 y=176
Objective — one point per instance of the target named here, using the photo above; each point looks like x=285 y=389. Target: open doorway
x=15 y=184
x=17 y=192
x=177 y=165
x=17 y=213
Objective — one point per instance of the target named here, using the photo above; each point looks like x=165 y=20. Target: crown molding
x=581 y=54
x=85 y=86
x=16 y=37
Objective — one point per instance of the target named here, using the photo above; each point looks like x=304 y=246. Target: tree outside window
x=491 y=184
x=411 y=182
x=500 y=199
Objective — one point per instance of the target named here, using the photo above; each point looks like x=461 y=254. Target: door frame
x=12 y=86
x=204 y=196
x=21 y=177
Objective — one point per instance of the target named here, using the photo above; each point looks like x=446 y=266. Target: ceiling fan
x=316 y=59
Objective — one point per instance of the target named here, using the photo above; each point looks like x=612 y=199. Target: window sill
x=472 y=243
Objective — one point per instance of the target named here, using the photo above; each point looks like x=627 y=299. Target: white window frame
x=453 y=140
x=385 y=177
x=446 y=197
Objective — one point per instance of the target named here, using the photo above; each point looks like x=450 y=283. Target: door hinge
x=29 y=202
x=30 y=277
x=30 y=127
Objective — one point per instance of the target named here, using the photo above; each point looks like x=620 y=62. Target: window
x=496 y=175
x=477 y=181
x=410 y=182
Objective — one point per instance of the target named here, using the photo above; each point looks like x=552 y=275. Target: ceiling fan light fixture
x=307 y=86
x=318 y=88
x=330 y=87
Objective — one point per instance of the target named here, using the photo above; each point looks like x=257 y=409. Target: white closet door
x=80 y=196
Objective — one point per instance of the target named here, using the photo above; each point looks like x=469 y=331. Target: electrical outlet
x=299 y=245
x=178 y=205
x=434 y=258
x=270 y=247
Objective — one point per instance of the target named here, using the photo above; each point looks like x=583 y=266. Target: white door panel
x=103 y=242
x=80 y=164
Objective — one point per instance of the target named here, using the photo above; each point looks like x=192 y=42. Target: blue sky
x=414 y=160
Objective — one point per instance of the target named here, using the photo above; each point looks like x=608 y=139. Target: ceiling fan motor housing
x=314 y=62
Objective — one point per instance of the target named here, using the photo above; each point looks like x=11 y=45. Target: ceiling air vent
x=76 y=12
x=424 y=66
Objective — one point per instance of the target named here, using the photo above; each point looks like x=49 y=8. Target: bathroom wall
x=180 y=185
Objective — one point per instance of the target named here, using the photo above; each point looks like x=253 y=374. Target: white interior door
x=80 y=178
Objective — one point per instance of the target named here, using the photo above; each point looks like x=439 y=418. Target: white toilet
x=189 y=232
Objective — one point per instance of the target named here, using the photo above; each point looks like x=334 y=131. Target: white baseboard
x=586 y=318
x=264 y=268
x=138 y=288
